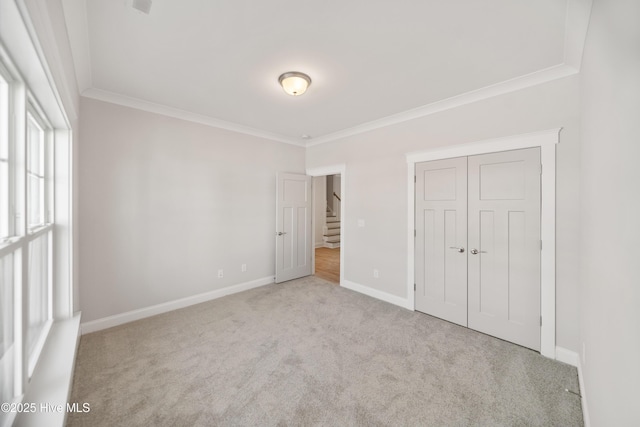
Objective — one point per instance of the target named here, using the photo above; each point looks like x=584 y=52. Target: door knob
x=460 y=249
x=475 y=251
x=281 y=233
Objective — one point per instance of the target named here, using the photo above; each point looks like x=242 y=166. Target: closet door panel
x=504 y=242
x=441 y=239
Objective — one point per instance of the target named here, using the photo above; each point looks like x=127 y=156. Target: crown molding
x=576 y=26
x=502 y=88
x=512 y=85
x=126 y=101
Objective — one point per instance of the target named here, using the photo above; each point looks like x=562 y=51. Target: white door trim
x=333 y=170
x=547 y=141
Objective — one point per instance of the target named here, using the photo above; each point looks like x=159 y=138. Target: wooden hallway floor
x=328 y=264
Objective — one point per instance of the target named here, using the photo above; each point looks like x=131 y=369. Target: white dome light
x=294 y=82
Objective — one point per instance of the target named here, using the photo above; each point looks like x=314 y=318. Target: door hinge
x=540 y=168
x=415 y=179
x=540 y=320
x=414 y=287
x=540 y=244
x=415 y=233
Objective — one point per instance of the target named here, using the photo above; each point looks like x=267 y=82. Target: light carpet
x=307 y=352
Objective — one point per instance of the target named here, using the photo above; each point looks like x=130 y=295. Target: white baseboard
x=583 y=395
x=130 y=316
x=374 y=293
x=572 y=358
x=567 y=356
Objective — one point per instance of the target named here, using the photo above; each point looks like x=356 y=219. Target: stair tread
x=333 y=225
x=332 y=232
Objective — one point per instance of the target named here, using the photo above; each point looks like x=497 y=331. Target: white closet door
x=441 y=239
x=504 y=245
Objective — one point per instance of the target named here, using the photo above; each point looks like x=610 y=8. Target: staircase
x=331 y=231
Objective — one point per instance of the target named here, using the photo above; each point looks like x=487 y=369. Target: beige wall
x=610 y=228
x=377 y=184
x=165 y=203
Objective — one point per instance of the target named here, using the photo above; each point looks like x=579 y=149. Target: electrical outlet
x=376 y=273
x=220 y=274
x=243 y=268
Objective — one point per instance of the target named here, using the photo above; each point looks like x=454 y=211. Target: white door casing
x=441 y=239
x=293 y=226
x=504 y=245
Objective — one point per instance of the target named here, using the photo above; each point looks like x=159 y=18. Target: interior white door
x=504 y=245
x=293 y=226
x=477 y=244
x=441 y=239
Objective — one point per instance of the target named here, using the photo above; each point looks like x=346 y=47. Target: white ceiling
x=368 y=59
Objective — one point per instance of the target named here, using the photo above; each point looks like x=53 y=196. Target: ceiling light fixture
x=294 y=82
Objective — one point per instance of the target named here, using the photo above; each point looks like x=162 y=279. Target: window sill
x=37 y=230
x=50 y=385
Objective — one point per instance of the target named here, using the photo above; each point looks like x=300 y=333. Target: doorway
x=329 y=208
x=327 y=226
x=328 y=264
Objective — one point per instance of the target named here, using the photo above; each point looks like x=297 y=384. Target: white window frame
x=21 y=104
x=33 y=80
x=10 y=223
x=9 y=355
x=46 y=197
x=36 y=231
x=11 y=244
x=34 y=354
